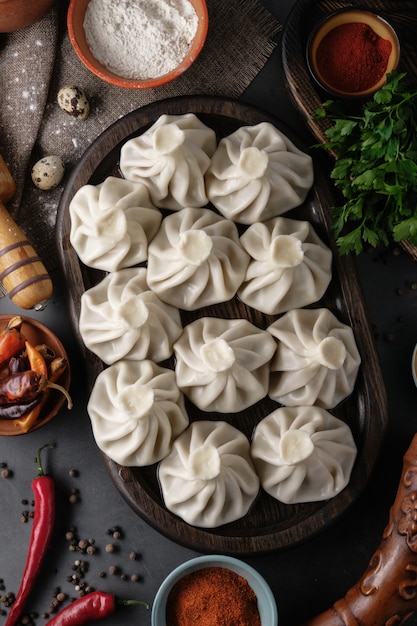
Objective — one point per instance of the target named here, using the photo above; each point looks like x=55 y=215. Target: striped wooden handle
x=22 y=273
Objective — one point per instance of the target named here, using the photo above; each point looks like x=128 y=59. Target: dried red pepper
x=43 y=523
x=26 y=386
x=21 y=387
x=57 y=366
x=18 y=364
x=12 y=340
x=90 y=608
x=17 y=411
x=36 y=361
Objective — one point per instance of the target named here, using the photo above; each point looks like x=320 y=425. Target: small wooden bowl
x=75 y=23
x=348 y=16
x=37 y=333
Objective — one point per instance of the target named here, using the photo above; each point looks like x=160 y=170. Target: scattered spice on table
x=43 y=524
x=212 y=596
x=353 y=57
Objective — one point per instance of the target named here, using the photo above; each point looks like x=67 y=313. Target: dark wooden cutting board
x=269 y=525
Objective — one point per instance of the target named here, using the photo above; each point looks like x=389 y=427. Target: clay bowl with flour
x=129 y=45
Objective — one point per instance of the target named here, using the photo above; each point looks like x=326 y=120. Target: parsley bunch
x=375 y=168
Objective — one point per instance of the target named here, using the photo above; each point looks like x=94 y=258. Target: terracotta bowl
x=17 y=14
x=348 y=16
x=75 y=23
x=266 y=602
x=37 y=333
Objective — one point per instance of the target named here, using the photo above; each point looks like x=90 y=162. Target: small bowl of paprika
x=350 y=52
x=34 y=375
x=214 y=589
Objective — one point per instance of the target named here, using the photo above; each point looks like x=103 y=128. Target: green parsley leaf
x=375 y=168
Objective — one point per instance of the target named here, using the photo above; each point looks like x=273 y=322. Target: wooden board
x=269 y=525
x=304 y=92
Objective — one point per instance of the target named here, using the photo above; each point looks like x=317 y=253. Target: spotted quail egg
x=73 y=101
x=48 y=172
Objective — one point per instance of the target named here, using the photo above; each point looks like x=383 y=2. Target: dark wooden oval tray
x=269 y=525
x=304 y=92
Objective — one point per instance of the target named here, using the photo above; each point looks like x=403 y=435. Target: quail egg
x=73 y=101
x=48 y=172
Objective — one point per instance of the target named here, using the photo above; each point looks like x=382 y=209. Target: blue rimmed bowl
x=266 y=602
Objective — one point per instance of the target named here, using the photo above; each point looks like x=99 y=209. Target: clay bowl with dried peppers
x=214 y=587
x=350 y=52
x=34 y=375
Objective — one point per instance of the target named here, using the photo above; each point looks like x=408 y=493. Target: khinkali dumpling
x=196 y=259
x=208 y=478
x=290 y=266
x=121 y=318
x=303 y=454
x=136 y=411
x=112 y=224
x=223 y=365
x=316 y=359
x=257 y=173
x=171 y=158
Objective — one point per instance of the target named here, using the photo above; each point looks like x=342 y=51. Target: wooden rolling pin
x=386 y=594
x=22 y=273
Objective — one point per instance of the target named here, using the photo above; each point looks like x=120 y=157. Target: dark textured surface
x=306 y=579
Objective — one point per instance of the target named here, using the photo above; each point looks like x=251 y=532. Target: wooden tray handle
x=386 y=594
x=21 y=271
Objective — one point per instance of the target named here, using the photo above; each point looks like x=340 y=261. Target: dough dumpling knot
x=136 y=412
x=112 y=224
x=121 y=318
x=223 y=365
x=257 y=173
x=171 y=159
x=290 y=266
x=196 y=259
x=316 y=359
x=303 y=454
x=208 y=479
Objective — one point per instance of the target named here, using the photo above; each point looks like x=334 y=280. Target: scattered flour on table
x=140 y=39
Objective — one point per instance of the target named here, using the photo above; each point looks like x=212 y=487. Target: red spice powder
x=353 y=57
x=212 y=596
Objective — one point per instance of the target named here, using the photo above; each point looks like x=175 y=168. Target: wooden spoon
x=21 y=271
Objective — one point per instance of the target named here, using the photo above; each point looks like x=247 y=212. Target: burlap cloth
x=35 y=62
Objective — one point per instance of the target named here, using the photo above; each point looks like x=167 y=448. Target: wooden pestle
x=22 y=273
x=386 y=594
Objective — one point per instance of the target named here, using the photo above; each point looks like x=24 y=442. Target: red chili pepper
x=89 y=608
x=12 y=341
x=43 y=523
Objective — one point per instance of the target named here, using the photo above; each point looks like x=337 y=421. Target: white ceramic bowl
x=266 y=602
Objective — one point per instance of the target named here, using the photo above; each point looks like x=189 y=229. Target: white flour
x=140 y=38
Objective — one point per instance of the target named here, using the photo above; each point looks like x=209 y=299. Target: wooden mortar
x=22 y=273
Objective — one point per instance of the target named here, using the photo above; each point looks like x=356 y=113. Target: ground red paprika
x=352 y=57
x=212 y=596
